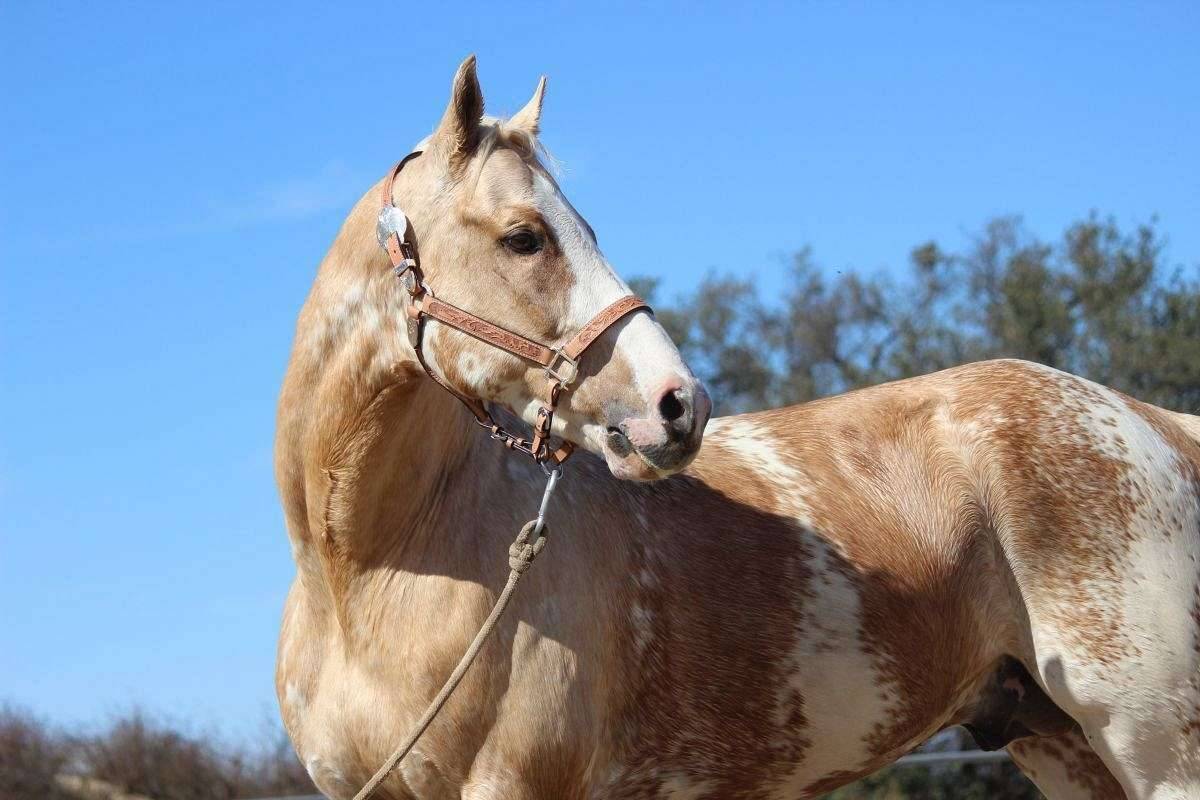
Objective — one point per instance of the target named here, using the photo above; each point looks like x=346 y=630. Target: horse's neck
x=364 y=438
x=382 y=472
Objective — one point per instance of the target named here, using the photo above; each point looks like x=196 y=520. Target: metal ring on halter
x=555 y=369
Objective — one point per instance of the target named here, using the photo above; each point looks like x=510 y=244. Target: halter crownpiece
x=561 y=364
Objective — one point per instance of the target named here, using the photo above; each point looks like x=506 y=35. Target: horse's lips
x=619 y=443
x=624 y=461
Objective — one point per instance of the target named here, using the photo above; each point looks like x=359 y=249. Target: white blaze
x=642 y=341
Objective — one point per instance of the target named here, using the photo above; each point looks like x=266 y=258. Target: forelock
x=498 y=133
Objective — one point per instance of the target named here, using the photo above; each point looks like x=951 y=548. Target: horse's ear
x=529 y=117
x=458 y=133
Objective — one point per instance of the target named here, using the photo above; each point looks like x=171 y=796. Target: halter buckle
x=412 y=282
x=541 y=427
x=404 y=268
x=562 y=368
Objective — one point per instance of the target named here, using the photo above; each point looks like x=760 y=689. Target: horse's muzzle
x=666 y=441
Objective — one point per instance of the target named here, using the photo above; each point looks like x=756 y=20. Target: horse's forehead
x=504 y=179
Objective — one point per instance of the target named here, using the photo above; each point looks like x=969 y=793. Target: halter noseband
x=561 y=364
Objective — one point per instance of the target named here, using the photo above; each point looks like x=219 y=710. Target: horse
x=768 y=605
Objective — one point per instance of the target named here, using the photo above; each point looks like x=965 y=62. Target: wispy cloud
x=331 y=187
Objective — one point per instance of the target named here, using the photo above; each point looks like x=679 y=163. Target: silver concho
x=391 y=220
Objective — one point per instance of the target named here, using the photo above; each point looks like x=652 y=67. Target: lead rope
x=521 y=553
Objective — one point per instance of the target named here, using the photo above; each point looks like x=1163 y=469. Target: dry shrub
x=31 y=755
x=140 y=755
x=143 y=756
x=147 y=756
x=272 y=770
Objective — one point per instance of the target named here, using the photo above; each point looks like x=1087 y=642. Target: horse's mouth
x=618 y=442
x=627 y=462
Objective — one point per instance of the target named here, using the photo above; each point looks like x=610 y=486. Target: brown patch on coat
x=705 y=704
x=1067 y=506
x=1079 y=763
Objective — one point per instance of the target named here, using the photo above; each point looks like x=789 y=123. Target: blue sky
x=173 y=173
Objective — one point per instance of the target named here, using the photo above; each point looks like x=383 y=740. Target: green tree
x=1099 y=302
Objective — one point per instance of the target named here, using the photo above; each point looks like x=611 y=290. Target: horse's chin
x=632 y=467
x=625 y=460
x=626 y=463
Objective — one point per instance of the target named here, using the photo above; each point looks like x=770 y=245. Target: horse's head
x=497 y=238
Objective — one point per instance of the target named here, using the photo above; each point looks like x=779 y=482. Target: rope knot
x=522 y=551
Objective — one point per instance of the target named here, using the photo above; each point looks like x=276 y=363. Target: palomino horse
x=999 y=545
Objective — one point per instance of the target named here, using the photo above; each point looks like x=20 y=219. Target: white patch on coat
x=356 y=315
x=474 y=370
x=1055 y=770
x=328 y=778
x=294 y=697
x=680 y=787
x=844 y=697
x=829 y=663
x=760 y=452
x=337 y=322
x=372 y=319
x=1134 y=701
x=643 y=627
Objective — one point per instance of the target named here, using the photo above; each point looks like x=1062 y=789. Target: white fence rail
x=952 y=757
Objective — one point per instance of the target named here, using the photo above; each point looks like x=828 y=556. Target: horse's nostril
x=670 y=407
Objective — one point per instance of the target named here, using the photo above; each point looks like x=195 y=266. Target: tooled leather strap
x=518 y=345
x=604 y=320
x=424 y=305
x=485 y=331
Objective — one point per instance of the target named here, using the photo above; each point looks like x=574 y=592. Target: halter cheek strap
x=561 y=364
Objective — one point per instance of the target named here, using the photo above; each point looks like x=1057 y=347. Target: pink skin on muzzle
x=665 y=442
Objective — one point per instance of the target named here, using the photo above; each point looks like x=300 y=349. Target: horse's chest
x=344 y=729
x=347 y=708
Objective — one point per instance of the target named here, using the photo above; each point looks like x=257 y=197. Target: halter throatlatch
x=561 y=364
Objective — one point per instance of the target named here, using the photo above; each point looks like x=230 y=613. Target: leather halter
x=561 y=364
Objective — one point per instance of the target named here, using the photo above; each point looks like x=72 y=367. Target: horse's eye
x=523 y=242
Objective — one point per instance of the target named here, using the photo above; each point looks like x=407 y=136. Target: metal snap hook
x=552 y=476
